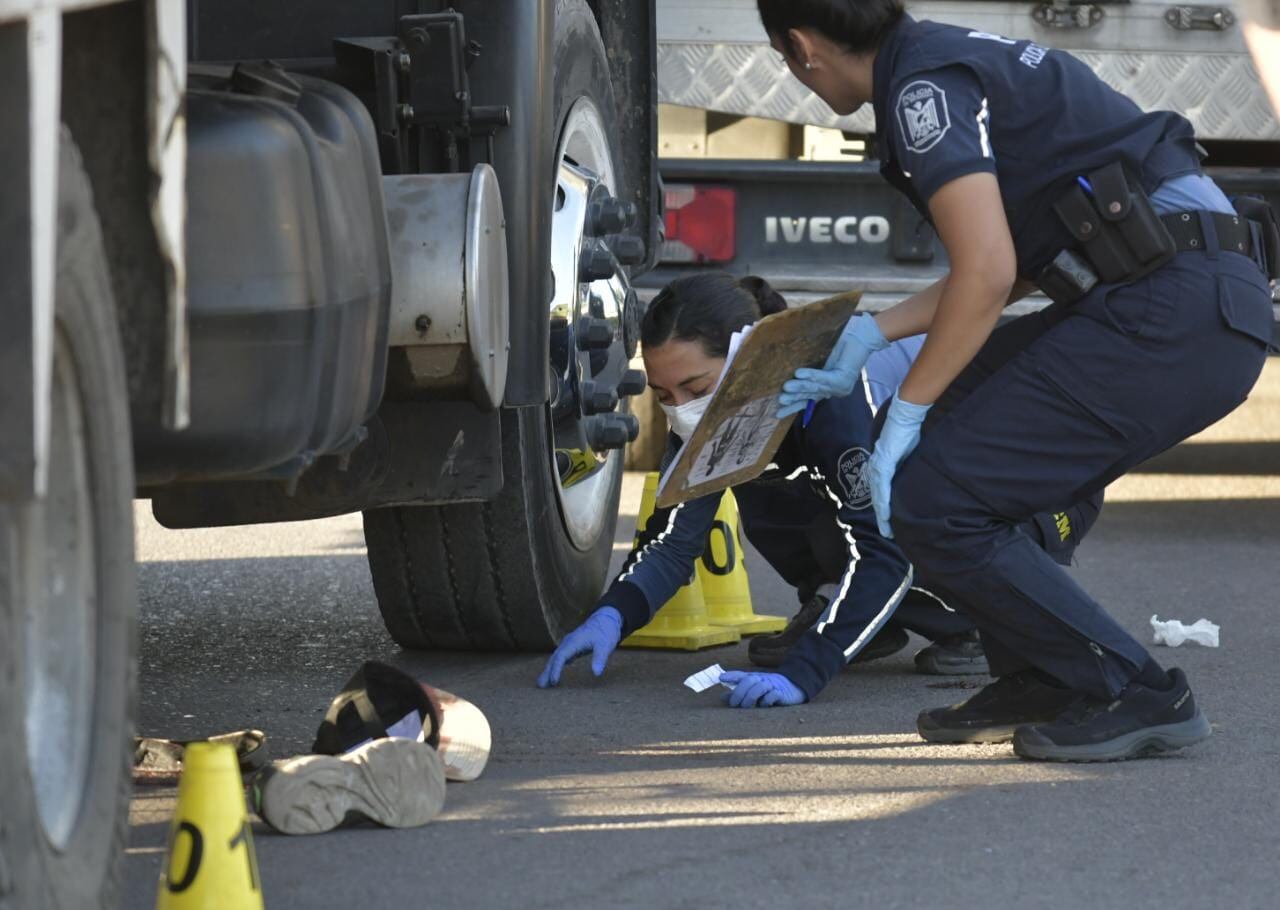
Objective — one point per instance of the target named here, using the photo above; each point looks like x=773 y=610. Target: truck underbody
x=404 y=289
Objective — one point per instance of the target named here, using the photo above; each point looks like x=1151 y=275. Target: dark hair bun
x=769 y=300
x=707 y=307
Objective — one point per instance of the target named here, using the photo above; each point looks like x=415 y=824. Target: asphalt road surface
x=632 y=791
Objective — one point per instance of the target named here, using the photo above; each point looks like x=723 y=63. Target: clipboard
x=738 y=435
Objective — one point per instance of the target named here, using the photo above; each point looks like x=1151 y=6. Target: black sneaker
x=955 y=655
x=397 y=783
x=1142 y=721
x=888 y=641
x=995 y=711
x=769 y=650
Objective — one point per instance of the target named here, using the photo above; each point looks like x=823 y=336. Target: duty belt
x=1071 y=275
x=1117 y=237
x=1232 y=230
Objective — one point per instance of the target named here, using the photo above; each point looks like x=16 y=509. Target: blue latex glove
x=900 y=436
x=760 y=690
x=860 y=339
x=599 y=635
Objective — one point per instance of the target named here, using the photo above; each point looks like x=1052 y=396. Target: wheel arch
x=629 y=31
x=521 y=35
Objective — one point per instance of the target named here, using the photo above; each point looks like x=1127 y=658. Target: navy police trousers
x=1055 y=406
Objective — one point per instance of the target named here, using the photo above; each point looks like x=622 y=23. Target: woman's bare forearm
x=966 y=314
x=914 y=315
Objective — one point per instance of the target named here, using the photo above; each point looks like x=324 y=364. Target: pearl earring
x=808 y=65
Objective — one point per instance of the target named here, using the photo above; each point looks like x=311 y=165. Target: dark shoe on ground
x=769 y=650
x=955 y=655
x=159 y=761
x=1142 y=721
x=397 y=783
x=995 y=711
x=378 y=701
x=887 y=642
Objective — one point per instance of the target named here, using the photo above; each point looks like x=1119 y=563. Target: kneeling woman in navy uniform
x=810 y=516
x=1035 y=172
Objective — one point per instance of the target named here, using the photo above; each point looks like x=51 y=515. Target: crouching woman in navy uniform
x=810 y=516
x=1034 y=172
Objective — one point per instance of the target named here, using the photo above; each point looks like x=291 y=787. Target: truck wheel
x=520 y=571
x=67 y=603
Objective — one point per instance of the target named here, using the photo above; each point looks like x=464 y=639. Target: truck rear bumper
x=817 y=229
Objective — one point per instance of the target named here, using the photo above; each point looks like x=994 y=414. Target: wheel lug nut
x=629 y=249
x=611 y=216
x=633 y=383
x=612 y=431
x=597 y=264
x=594 y=334
x=598 y=398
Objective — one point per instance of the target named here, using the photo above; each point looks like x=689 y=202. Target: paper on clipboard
x=735 y=344
x=740 y=431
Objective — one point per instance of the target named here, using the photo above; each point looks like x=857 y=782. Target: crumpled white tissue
x=1174 y=633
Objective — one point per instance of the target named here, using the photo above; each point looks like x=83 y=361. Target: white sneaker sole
x=397 y=783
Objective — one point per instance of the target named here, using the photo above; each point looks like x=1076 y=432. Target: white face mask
x=684 y=418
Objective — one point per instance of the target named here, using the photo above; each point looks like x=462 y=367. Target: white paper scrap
x=735 y=342
x=705 y=679
x=407 y=727
x=1174 y=633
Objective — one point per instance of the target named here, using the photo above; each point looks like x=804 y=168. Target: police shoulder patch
x=851 y=470
x=923 y=117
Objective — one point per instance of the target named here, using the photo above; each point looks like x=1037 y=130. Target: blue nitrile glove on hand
x=900 y=436
x=599 y=635
x=760 y=690
x=860 y=339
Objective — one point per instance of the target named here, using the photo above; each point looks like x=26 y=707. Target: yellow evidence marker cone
x=682 y=623
x=723 y=571
x=211 y=864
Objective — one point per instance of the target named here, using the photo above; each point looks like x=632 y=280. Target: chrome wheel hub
x=593 y=315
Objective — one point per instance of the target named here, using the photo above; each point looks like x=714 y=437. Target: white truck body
x=714 y=55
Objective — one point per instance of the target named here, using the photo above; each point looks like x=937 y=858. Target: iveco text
x=849 y=229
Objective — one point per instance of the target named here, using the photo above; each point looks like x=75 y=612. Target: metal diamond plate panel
x=1219 y=93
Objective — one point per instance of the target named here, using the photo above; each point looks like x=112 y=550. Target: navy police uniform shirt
x=950 y=101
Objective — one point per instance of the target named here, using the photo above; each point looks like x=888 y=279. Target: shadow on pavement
x=1232 y=458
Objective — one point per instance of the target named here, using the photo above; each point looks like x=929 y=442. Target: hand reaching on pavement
x=760 y=690
x=599 y=635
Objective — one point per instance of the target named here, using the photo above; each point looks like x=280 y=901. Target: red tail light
x=701 y=224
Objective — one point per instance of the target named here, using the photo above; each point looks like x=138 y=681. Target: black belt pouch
x=1265 y=229
x=1115 y=226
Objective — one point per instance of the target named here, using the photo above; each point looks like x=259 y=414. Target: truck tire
x=519 y=572
x=67 y=603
